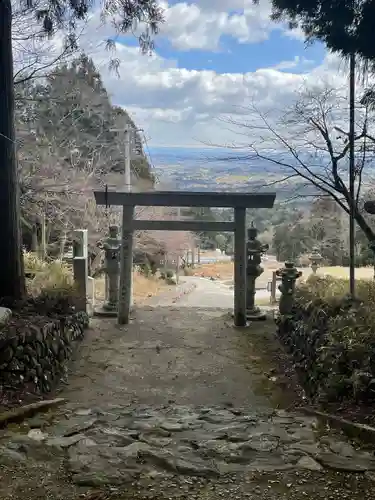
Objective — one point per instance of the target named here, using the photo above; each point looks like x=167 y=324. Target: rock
x=309 y=464
x=37 y=423
x=309 y=448
x=218 y=417
x=261 y=443
x=153 y=440
x=75 y=425
x=195 y=467
x=5 y=315
x=269 y=464
x=172 y=426
x=302 y=434
x=342 y=448
x=84 y=412
x=65 y=442
x=37 y=435
x=11 y=455
x=7 y=355
x=85 y=443
x=137 y=449
x=345 y=464
x=113 y=436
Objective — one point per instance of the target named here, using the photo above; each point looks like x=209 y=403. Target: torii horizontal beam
x=182 y=225
x=185 y=199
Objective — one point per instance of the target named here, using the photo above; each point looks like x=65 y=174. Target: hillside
x=70 y=143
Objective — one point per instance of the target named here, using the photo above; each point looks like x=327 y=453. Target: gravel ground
x=174 y=356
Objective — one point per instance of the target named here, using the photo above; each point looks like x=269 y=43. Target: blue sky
x=211 y=63
x=235 y=57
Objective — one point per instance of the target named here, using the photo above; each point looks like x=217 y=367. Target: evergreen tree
x=344 y=26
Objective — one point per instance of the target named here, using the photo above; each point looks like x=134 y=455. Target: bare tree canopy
x=308 y=146
x=49 y=17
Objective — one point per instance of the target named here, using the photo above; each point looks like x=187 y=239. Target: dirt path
x=180 y=404
x=213 y=294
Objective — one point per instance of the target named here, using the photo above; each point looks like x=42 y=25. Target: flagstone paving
x=179 y=404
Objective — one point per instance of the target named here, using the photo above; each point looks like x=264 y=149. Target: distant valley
x=218 y=170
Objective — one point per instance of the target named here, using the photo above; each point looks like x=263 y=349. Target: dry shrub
x=53 y=277
x=332 y=338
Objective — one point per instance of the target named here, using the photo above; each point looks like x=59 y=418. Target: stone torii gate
x=239 y=201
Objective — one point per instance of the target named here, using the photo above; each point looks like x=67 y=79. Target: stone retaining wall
x=34 y=350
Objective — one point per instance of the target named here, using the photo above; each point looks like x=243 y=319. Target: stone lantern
x=254 y=250
x=315 y=259
x=289 y=275
x=112 y=248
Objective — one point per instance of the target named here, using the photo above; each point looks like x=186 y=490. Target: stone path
x=180 y=404
x=212 y=294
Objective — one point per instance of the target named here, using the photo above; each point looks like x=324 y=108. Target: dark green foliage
x=332 y=339
x=344 y=26
x=123 y=14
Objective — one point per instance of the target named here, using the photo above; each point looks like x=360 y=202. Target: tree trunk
x=12 y=282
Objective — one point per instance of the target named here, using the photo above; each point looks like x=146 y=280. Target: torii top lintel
x=185 y=199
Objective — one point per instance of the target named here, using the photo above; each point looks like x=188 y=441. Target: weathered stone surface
x=5 y=315
x=309 y=464
x=37 y=435
x=262 y=443
x=346 y=464
x=37 y=354
x=12 y=455
x=65 y=442
x=117 y=446
x=342 y=448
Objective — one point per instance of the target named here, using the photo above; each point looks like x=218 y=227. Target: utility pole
x=352 y=175
x=128 y=188
x=127 y=174
x=126 y=265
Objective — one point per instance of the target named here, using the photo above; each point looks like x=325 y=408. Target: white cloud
x=177 y=106
x=201 y=26
x=294 y=63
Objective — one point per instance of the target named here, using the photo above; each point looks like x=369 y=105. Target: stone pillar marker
x=254 y=251
x=289 y=275
x=315 y=259
x=80 y=267
x=112 y=247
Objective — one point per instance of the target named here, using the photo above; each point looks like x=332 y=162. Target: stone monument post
x=254 y=251
x=80 y=267
x=288 y=275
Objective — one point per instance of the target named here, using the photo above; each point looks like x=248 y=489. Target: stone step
x=118 y=444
